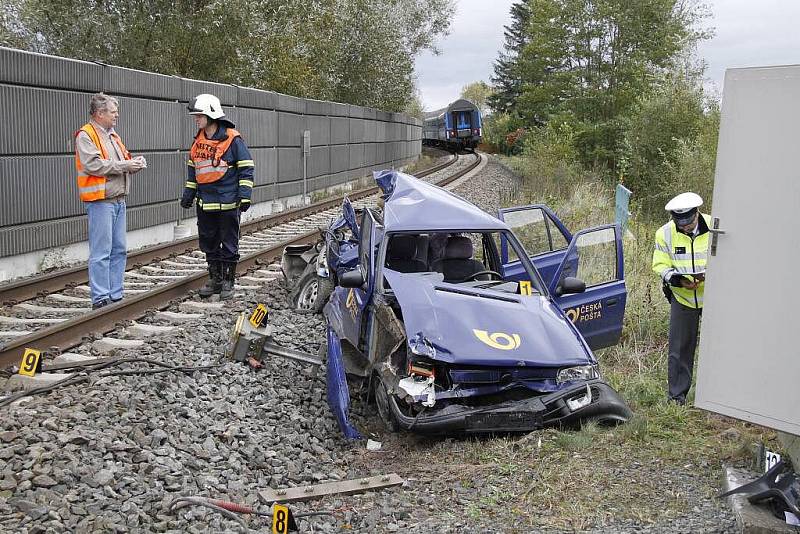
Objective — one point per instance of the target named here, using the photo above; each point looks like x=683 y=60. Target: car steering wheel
x=471 y=277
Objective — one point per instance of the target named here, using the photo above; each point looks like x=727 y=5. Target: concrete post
x=306 y=153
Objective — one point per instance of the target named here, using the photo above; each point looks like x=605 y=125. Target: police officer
x=679 y=258
x=221 y=177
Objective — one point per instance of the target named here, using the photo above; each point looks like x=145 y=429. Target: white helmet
x=683 y=207
x=208 y=105
x=684 y=202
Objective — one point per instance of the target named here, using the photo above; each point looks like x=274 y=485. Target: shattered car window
x=464 y=258
x=535 y=230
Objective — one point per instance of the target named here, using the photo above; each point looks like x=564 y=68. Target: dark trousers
x=684 y=323
x=218 y=233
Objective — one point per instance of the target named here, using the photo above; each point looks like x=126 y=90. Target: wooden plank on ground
x=345 y=487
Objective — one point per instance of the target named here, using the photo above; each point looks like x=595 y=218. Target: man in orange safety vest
x=104 y=166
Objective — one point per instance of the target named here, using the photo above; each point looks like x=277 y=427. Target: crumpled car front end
x=517 y=409
x=476 y=363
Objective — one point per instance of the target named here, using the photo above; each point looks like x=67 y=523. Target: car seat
x=401 y=255
x=457 y=264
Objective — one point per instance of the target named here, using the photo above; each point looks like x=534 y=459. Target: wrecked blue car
x=461 y=322
x=313 y=269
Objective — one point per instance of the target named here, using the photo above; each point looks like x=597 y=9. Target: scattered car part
x=312 y=270
x=344 y=487
x=312 y=290
x=338 y=392
x=251 y=345
x=780 y=485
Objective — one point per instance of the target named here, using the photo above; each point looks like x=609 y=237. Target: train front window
x=464 y=121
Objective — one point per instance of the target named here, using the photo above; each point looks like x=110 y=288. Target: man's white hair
x=100 y=102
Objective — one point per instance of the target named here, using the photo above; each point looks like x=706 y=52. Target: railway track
x=53 y=311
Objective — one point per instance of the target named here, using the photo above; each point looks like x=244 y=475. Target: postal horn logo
x=499 y=340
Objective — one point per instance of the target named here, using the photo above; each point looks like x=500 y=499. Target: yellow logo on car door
x=499 y=340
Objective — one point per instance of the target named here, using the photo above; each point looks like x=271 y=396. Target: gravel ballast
x=111 y=455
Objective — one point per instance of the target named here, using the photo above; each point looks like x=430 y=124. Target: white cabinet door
x=749 y=365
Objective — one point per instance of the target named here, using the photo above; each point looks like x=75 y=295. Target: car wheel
x=384 y=410
x=312 y=291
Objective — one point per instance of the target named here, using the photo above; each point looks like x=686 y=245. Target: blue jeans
x=107 y=249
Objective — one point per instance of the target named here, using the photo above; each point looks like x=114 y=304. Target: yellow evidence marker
x=282 y=519
x=525 y=288
x=30 y=362
x=259 y=316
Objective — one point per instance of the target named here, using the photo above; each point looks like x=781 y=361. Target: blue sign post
x=623 y=201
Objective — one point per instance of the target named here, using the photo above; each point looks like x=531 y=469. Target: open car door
x=543 y=235
x=355 y=299
x=594 y=256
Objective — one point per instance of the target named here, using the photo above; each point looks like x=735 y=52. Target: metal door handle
x=611 y=302
x=715 y=233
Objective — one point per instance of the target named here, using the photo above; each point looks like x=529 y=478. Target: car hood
x=469 y=326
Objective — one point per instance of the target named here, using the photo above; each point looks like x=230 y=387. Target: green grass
x=677 y=438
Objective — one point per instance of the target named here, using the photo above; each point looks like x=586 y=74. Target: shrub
x=496 y=129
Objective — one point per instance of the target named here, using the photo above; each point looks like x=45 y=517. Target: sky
x=747 y=33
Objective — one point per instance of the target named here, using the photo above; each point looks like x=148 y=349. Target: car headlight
x=581 y=372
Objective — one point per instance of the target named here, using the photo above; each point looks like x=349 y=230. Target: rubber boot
x=228 y=276
x=214 y=283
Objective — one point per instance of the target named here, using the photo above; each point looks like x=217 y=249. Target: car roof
x=412 y=204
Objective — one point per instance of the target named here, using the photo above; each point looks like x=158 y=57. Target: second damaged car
x=456 y=327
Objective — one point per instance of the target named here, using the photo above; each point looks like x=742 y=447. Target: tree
x=354 y=51
x=659 y=125
x=415 y=107
x=478 y=93
x=10 y=32
x=590 y=60
x=507 y=80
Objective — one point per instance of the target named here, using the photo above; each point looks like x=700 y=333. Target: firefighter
x=679 y=258
x=221 y=177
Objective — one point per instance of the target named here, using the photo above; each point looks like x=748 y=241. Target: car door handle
x=612 y=302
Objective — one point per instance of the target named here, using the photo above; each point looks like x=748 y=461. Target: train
x=458 y=126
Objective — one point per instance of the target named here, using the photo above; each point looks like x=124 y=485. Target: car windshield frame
x=537 y=283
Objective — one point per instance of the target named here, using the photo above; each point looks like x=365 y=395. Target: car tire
x=384 y=410
x=311 y=291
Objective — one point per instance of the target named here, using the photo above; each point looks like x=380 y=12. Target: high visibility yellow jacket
x=676 y=254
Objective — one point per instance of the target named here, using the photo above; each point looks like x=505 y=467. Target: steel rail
x=28 y=288
x=72 y=332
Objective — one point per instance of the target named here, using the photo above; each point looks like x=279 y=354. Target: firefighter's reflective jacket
x=220 y=171
x=677 y=253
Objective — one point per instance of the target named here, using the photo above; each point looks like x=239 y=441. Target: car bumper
x=551 y=409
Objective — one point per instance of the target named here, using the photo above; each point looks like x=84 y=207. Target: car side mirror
x=352 y=278
x=570 y=285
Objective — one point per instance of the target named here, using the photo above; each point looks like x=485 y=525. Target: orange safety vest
x=206 y=154
x=91 y=187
